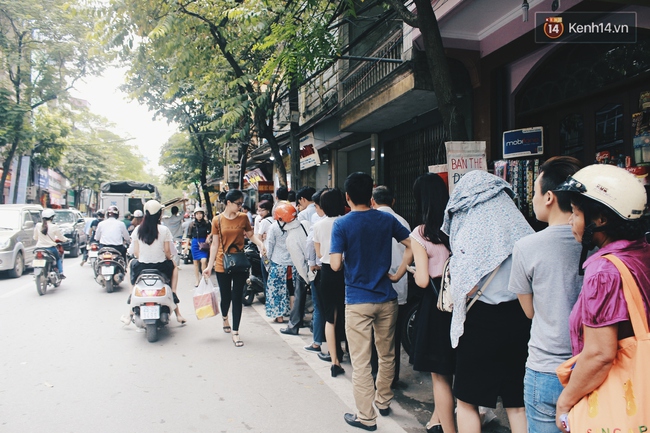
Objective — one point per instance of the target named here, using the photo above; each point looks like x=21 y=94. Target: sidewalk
x=413 y=397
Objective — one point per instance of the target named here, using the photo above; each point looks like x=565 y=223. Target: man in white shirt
x=174 y=223
x=112 y=232
x=383 y=200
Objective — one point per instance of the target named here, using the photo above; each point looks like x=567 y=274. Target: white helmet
x=198 y=209
x=47 y=214
x=137 y=214
x=612 y=186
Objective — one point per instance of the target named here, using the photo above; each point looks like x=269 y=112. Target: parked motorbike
x=186 y=251
x=254 y=282
x=408 y=326
x=110 y=268
x=45 y=271
x=152 y=302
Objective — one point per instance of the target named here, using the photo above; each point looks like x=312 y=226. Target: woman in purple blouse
x=609 y=206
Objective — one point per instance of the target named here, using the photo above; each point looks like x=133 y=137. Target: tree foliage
x=44 y=48
x=236 y=56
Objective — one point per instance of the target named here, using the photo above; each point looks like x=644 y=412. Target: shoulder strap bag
x=445 y=302
x=232 y=262
x=622 y=401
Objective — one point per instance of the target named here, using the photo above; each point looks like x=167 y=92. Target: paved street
x=68 y=365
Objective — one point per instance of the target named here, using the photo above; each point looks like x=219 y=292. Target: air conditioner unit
x=31 y=193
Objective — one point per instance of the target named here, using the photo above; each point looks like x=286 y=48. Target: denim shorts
x=541 y=391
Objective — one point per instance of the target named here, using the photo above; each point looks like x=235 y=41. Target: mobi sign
x=523 y=142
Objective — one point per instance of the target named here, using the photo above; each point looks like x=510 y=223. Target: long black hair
x=44 y=225
x=431 y=197
x=148 y=229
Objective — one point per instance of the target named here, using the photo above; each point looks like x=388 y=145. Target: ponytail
x=44 y=228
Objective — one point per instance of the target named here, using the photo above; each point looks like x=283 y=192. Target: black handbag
x=233 y=262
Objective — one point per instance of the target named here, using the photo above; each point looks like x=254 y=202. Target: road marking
x=16 y=290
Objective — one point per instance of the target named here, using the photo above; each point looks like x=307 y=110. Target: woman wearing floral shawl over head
x=483 y=225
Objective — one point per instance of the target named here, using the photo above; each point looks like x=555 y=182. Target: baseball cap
x=153 y=207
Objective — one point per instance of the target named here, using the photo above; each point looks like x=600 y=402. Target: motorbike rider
x=99 y=217
x=152 y=248
x=136 y=221
x=112 y=232
x=46 y=234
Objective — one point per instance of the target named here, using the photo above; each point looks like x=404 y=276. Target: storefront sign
x=265 y=186
x=463 y=157
x=253 y=177
x=43 y=179
x=523 y=142
x=309 y=157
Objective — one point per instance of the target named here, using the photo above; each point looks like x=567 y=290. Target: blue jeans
x=317 y=316
x=59 y=260
x=541 y=391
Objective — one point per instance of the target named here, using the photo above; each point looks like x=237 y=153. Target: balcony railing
x=368 y=73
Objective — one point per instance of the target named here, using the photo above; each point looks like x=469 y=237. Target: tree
x=44 y=49
x=237 y=55
x=186 y=161
x=426 y=21
x=94 y=154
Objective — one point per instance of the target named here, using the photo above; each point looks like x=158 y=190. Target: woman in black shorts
x=332 y=284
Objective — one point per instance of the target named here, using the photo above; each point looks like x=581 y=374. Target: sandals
x=279 y=320
x=181 y=320
x=226 y=328
x=236 y=341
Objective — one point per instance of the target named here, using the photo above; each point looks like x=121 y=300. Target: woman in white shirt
x=151 y=243
x=332 y=283
x=46 y=234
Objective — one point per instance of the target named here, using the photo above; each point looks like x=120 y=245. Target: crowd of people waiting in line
x=550 y=294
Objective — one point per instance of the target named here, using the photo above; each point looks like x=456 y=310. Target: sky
x=131 y=119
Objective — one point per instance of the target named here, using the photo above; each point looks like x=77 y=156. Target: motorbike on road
x=92 y=250
x=254 y=282
x=186 y=251
x=109 y=268
x=152 y=302
x=46 y=272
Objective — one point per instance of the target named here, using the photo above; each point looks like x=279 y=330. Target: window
x=572 y=135
x=609 y=126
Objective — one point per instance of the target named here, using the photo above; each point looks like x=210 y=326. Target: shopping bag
x=622 y=402
x=205 y=299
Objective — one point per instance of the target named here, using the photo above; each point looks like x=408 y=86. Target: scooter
x=110 y=268
x=152 y=302
x=186 y=251
x=45 y=270
x=254 y=282
x=93 y=249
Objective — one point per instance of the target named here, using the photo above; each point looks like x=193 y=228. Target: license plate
x=92 y=254
x=150 y=312
x=39 y=263
x=108 y=270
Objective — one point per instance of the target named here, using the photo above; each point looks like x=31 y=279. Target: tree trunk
x=296 y=178
x=6 y=164
x=453 y=121
x=267 y=133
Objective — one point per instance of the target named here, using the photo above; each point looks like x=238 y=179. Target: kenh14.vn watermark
x=586 y=27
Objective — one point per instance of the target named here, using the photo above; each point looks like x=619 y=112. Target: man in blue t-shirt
x=364 y=237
